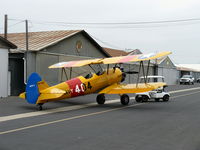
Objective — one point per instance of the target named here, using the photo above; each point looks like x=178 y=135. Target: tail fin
x=34 y=85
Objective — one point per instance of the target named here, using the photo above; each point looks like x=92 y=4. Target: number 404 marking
x=82 y=87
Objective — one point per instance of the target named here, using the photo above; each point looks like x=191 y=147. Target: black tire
x=101 y=99
x=145 y=98
x=157 y=99
x=138 y=99
x=124 y=99
x=166 y=98
x=40 y=106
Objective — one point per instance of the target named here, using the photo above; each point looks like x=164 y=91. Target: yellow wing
x=77 y=63
x=112 y=60
x=134 y=58
x=131 y=88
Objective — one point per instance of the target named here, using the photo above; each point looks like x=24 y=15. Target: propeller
x=125 y=72
x=131 y=72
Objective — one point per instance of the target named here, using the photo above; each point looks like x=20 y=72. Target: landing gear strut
x=40 y=106
x=101 y=99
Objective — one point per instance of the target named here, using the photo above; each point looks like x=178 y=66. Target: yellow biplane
x=105 y=82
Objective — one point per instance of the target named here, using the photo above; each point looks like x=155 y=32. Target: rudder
x=32 y=90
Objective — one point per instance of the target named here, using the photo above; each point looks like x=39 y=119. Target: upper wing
x=131 y=88
x=134 y=58
x=112 y=60
x=75 y=63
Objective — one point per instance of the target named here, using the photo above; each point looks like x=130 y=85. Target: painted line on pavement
x=67 y=119
x=69 y=108
x=185 y=95
x=82 y=116
x=50 y=111
x=184 y=90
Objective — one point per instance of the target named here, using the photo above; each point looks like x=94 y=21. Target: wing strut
x=63 y=70
x=147 y=70
x=70 y=76
x=92 y=68
x=138 y=75
x=143 y=72
x=108 y=69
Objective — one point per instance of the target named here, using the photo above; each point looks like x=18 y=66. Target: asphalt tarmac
x=80 y=123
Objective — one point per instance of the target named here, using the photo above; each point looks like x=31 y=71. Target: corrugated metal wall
x=171 y=75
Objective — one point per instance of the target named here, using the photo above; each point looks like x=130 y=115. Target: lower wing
x=131 y=88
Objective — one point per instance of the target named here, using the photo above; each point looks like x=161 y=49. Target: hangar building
x=50 y=47
x=5 y=46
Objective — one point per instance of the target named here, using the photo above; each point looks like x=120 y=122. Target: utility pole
x=26 y=52
x=5 y=26
x=26 y=23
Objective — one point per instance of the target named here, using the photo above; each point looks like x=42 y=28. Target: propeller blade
x=131 y=72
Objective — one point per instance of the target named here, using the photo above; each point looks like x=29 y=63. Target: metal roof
x=41 y=40
x=10 y=44
x=115 y=52
x=188 y=67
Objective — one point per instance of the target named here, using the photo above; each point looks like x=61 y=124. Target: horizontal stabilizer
x=42 y=85
x=49 y=94
x=131 y=88
x=23 y=95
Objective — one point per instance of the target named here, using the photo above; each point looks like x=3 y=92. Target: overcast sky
x=182 y=38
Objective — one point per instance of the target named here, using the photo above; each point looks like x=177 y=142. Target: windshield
x=186 y=76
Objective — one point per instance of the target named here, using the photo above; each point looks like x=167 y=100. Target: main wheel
x=124 y=99
x=101 y=99
x=166 y=98
x=138 y=99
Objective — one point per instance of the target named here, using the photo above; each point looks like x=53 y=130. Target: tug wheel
x=138 y=99
x=145 y=98
x=166 y=98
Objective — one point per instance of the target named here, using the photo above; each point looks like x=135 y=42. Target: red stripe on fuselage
x=76 y=87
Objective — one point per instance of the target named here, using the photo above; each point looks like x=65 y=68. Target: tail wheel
x=166 y=98
x=40 y=106
x=138 y=99
x=101 y=99
x=124 y=99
